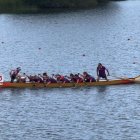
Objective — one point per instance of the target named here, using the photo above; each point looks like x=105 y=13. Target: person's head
x=85 y=73
x=18 y=69
x=99 y=65
x=44 y=74
x=57 y=75
x=71 y=75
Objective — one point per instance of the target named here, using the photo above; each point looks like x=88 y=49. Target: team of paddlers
x=55 y=78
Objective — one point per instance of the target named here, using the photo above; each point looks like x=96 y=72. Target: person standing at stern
x=101 y=72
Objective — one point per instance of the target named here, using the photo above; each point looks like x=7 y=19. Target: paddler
x=101 y=72
x=61 y=78
x=14 y=74
x=72 y=78
x=78 y=79
x=21 y=78
x=87 y=77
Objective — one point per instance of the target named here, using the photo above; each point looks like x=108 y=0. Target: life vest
x=101 y=70
x=13 y=72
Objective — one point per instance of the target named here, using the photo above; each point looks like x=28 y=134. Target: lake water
x=74 y=42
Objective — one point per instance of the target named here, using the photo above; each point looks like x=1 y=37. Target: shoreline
x=27 y=6
x=41 y=11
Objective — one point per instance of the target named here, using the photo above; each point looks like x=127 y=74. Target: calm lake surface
x=68 y=42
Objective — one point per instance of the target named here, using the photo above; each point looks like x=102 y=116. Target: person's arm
x=107 y=71
x=97 y=71
x=11 y=72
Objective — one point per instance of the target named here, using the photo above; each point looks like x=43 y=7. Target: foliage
x=44 y=4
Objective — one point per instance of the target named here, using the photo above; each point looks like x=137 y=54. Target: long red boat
x=66 y=85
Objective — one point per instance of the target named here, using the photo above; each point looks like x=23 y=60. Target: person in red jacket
x=101 y=72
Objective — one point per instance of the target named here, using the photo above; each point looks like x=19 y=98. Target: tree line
x=31 y=5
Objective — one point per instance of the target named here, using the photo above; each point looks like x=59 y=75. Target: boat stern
x=137 y=79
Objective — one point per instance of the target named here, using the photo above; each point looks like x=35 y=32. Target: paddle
x=122 y=78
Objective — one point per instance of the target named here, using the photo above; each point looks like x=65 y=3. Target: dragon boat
x=121 y=81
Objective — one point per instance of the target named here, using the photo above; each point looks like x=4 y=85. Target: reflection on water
x=102 y=89
x=56 y=43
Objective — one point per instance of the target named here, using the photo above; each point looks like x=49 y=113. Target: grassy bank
x=7 y=6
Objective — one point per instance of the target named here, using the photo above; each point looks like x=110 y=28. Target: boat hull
x=65 y=85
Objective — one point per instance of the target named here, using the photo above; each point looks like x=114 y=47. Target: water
x=57 y=43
